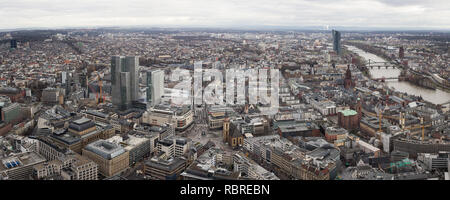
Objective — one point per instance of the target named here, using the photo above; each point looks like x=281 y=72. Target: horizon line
x=240 y=27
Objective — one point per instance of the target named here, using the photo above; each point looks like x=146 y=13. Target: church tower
x=226 y=129
x=348 y=82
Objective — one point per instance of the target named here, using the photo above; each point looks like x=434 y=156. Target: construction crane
x=402 y=124
x=100 y=99
x=380 y=117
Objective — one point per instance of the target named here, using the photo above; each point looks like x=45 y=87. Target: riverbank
x=358 y=62
x=432 y=83
x=435 y=97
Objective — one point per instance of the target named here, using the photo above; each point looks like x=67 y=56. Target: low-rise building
x=336 y=135
x=19 y=166
x=348 y=119
x=297 y=128
x=81 y=168
x=173 y=147
x=111 y=158
x=164 y=169
x=67 y=167
x=435 y=161
x=80 y=133
x=249 y=169
x=181 y=116
x=214 y=164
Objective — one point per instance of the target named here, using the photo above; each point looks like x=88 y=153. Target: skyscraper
x=66 y=81
x=336 y=41
x=63 y=77
x=124 y=80
x=155 y=86
x=13 y=44
x=132 y=66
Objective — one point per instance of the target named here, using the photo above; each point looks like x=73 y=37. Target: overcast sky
x=409 y=14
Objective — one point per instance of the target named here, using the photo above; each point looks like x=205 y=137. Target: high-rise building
x=124 y=80
x=336 y=41
x=132 y=66
x=124 y=90
x=155 y=86
x=63 y=77
x=13 y=44
x=66 y=82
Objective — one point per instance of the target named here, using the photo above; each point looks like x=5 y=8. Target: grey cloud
x=222 y=13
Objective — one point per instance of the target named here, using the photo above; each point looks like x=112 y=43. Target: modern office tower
x=82 y=79
x=13 y=44
x=155 y=86
x=125 y=90
x=63 y=77
x=132 y=66
x=115 y=78
x=124 y=80
x=66 y=82
x=336 y=41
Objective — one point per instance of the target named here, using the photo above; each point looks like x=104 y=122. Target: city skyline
x=323 y=14
x=224 y=90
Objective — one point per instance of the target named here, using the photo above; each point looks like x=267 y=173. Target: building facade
x=124 y=80
x=348 y=119
x=336 y=41
x=155 y=86
x=111 y=158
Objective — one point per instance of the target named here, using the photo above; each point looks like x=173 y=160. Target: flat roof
x=168 y=165
x=105 y=149
x=20 y=160
x=96 y=113
x=367 y=145
x=68 y=138
x=82 y=121
x=348 y=112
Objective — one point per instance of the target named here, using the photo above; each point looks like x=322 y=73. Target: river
x=436 y=96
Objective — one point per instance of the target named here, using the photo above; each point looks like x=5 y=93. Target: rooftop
x=81 y=124
x=167 y=165
x=81 y=121
x=20 y=160
x=348 y=112
x=97 y=113
x=105 y=149
x=68 y=138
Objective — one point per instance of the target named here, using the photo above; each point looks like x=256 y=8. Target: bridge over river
x=437 y=96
